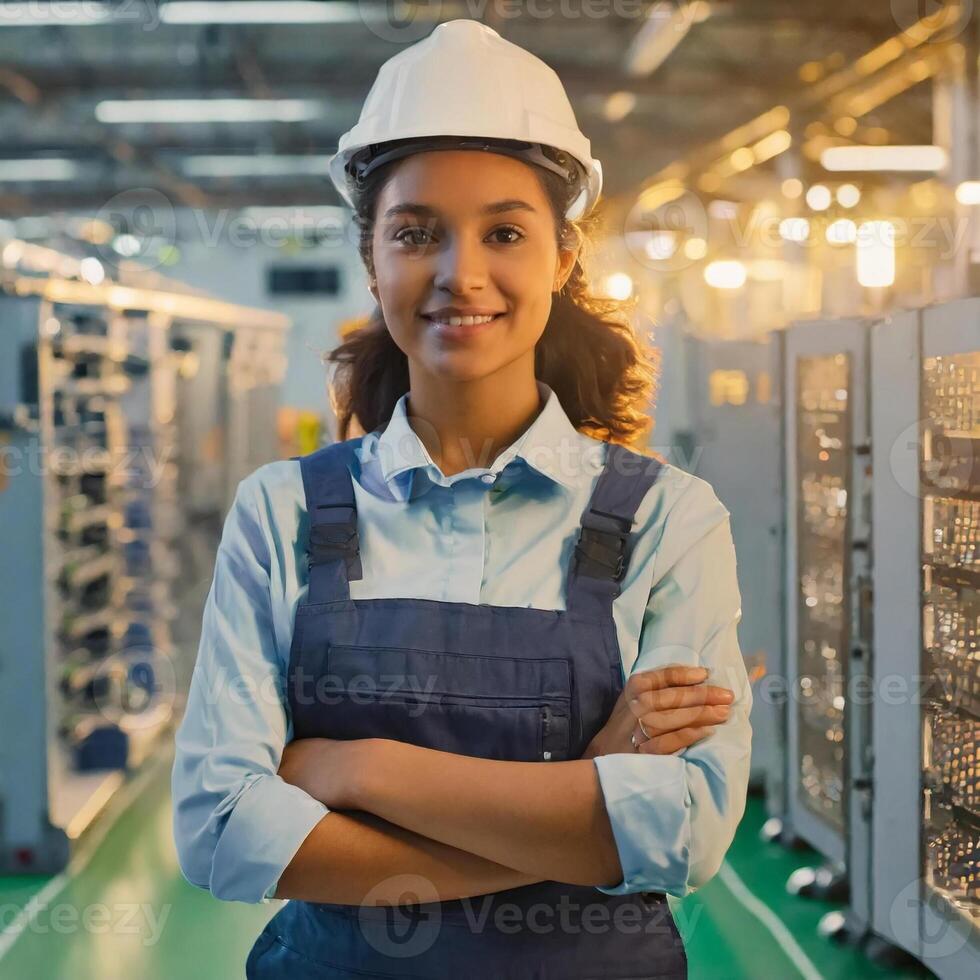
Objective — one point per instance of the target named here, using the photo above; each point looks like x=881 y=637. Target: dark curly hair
x=588 y=355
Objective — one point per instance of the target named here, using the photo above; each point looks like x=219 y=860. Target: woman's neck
x=468 y=424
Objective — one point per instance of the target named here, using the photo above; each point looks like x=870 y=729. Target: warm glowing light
x=968 y=192
x=792 y=188
x=931 y=158
x=695 y=248
x=848 y=195
x=818 y=197
x=617 y=286
x=876 y=254
x=725 y=274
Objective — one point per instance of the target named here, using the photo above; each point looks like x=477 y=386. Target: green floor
x=129 y=914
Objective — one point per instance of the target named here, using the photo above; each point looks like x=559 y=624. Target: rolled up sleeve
x=236 y=822
x=674 y=817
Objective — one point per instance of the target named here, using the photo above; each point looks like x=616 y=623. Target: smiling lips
x=461 y=326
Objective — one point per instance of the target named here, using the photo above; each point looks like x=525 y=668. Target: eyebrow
x=411 y=207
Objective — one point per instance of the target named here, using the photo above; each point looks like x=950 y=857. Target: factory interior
x=791 y=204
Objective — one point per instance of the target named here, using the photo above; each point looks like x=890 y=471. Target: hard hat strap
x=378 y=154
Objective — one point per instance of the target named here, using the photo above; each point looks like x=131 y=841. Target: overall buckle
x=332 y=540
x=600 y=550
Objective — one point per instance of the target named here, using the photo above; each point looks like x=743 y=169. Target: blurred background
x=791 y=192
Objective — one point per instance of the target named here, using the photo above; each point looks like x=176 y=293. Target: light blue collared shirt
x=494 y=535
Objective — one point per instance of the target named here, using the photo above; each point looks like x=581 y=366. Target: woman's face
x=466 y=230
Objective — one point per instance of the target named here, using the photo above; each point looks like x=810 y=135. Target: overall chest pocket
x=488 y=707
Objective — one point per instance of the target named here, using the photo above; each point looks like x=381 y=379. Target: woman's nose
x=461 y=267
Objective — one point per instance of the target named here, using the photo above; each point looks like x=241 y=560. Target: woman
x=409 y=713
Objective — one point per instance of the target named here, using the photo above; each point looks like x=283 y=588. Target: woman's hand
x=675 y=707
x=326 y=768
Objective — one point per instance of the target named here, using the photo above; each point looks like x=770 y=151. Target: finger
x=674 y=741
x=663 y=677
x=680 y=697
x=698 y=715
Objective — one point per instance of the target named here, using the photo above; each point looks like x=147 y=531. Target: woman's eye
x=410 y=233
x=417 y=237
x=509 y=230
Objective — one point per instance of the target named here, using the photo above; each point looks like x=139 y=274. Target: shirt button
x=488 y=478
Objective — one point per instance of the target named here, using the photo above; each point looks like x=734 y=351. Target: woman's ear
x=566 y=263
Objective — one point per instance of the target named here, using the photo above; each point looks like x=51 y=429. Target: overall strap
x=333 y=549
x=604 y=545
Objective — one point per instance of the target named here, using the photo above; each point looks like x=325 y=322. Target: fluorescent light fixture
x=297 y=212
x=264 y=12
x=772 y=145
x=63 y=13
x=881 y=158
x=725 y=274
x=255 y=12
x=207 y=110
x=666 y=25
x=254 y=166
x=43 y=168
x=876 y=254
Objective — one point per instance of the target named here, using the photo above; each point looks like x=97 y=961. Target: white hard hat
x=464 y=86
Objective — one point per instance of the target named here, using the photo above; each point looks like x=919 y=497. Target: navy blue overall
x=495 y=682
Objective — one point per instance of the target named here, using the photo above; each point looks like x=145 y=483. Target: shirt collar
x=550 y=445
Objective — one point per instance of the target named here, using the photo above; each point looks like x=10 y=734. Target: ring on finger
x=646 y=734
x=636 y=746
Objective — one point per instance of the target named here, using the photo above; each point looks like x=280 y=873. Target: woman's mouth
x=462 y=327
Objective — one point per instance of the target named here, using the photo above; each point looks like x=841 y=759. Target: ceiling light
x=876 y=254
x=266 y=165
x=725 y=274
x=265 y=12
x=878 y=158
x=207 y=110
x=968 y=192
x=665 y=26
x=42 y=168
x=64 y=13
